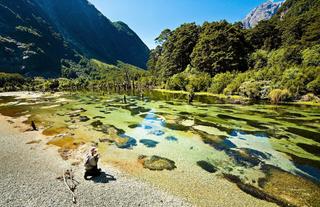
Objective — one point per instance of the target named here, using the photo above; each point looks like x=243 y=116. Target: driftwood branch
x=68 y=175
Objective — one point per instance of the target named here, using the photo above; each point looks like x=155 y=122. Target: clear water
x=240 y=140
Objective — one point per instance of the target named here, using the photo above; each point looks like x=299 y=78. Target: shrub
x=297 y=79
x=198 y=82
x=54 y=85
x=11 y=81
x=314 y=86
x=177 y=82
x=220 y=82
x=278 y=95
x=64 y=84
x=234 y=85
x=255 y=89
x=189 y=80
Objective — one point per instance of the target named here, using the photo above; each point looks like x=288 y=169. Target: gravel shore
x=29 y=178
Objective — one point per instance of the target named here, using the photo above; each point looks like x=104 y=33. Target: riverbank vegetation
x=86 y=75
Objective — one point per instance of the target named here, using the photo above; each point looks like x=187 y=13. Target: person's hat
x=93 y=150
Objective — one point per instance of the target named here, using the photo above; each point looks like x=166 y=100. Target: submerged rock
x=98 y=117
x=82 y=110
x=104 y=129
x=157 y=132
x=76 y=112
x=125 y=142
x=149 y=143
x=111 y=130
x=216 y=141
x=207 y=166
x=171 y=138
x=247 y=157
x=71 y=115
x=132 y=126
x=97 y=123
x=147 y=127
x=177 y=127
x=156 y=163
x=105 y=112
x=84 y=118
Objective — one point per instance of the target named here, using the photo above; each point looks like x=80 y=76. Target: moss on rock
x=156 y=163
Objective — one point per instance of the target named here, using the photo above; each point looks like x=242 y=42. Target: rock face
x=263 y=12
x=36 y=35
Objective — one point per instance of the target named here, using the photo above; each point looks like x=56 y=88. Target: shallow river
x=264 y=146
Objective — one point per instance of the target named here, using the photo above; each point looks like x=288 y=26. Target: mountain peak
x=263 y=12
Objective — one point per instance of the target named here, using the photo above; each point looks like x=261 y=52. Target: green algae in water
x=236 y=139
x=310 y=148
x=305 y=133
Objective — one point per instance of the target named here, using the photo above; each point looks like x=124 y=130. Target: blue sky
x=149 y=17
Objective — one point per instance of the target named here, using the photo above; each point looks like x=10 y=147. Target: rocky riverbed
x=248 y=152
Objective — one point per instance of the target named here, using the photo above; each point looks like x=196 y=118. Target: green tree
x=163 y=37
x=153 y=59
x=176 y=50
x=221 y=47
x=264 y=36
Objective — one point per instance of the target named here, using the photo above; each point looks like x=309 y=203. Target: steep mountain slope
x=37 y=35
x=93 y=34
x=263 y=12
x=28 y=44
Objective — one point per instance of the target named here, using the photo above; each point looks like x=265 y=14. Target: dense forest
x=279 y=59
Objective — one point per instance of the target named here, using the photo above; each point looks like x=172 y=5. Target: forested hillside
x=279 y=57
x=41 y=37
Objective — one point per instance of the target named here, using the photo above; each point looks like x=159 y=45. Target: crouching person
x=91 y=164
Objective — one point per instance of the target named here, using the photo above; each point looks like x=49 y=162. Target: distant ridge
x=263 y=12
